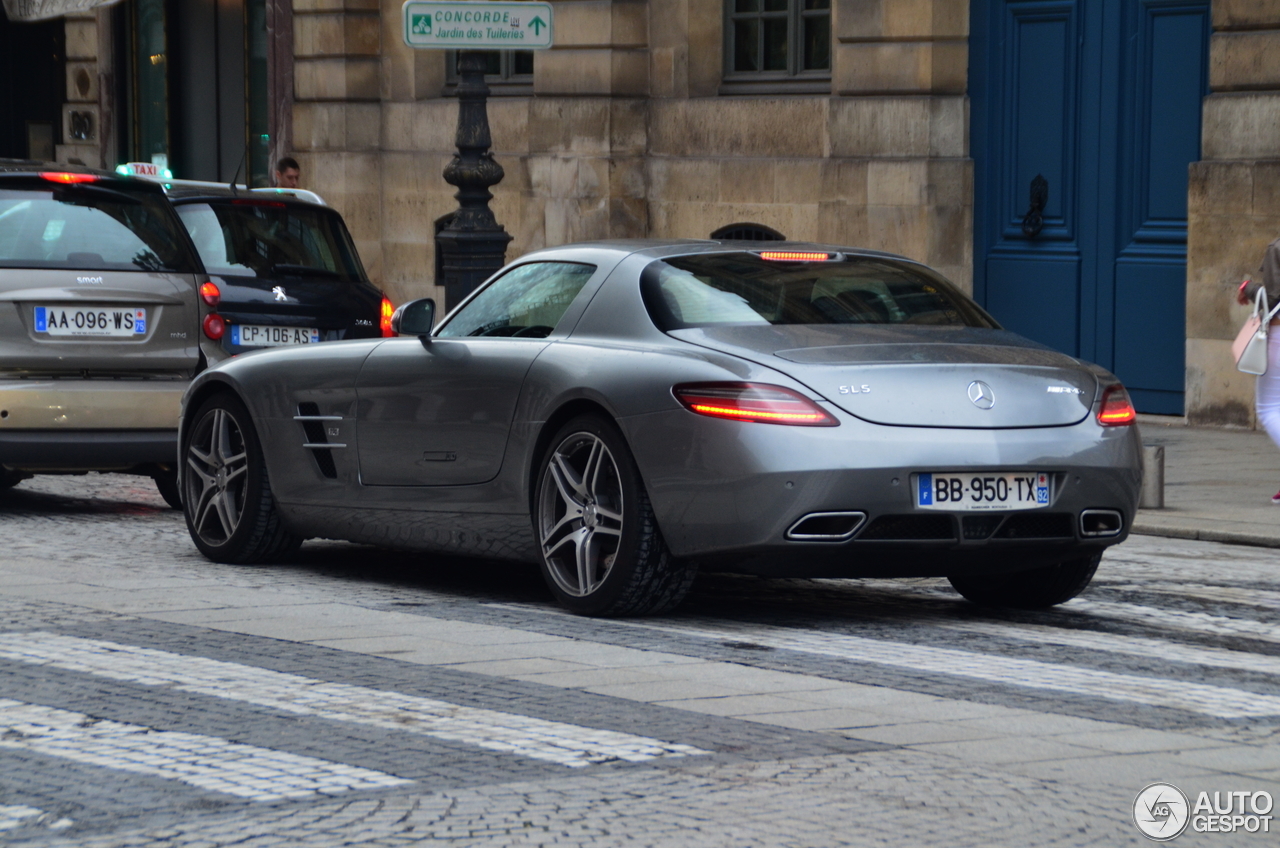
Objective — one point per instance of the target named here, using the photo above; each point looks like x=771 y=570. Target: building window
x=777 y=43
x=508 y=71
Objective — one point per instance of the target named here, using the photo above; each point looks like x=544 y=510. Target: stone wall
x=1233 y=202
x=81 y=105
x=625 y=134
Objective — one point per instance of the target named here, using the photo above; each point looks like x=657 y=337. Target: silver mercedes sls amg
x=625 y=413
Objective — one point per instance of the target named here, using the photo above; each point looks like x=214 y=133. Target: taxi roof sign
x=478 y=25
x=147 y=170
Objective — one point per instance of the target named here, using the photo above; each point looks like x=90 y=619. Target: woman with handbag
x=1258 y=332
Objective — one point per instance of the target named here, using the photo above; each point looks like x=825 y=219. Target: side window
x=527 y=301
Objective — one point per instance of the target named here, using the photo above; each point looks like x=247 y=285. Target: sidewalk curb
x=1206 y=535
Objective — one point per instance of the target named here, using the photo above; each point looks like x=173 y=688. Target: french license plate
x=262 y=335
x=117 y=321
x=979 y=492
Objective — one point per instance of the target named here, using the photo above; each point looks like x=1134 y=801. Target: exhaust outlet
x=1101 y=522
x=826 y=526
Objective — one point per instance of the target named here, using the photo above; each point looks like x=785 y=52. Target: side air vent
x=313 y=427
x=909 y=528
x=1038 y=525
x=826 y=526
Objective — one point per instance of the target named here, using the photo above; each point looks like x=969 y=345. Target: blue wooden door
x=1085 y=115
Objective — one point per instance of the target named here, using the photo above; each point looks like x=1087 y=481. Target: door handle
x=1033 y=221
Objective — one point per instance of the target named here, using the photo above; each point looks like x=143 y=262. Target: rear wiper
x=303 y=271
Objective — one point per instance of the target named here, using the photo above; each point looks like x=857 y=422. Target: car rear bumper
x=732 y=496
x=87 y=450
x=98 y=404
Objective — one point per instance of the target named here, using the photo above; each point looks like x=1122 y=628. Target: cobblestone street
x=357 y=696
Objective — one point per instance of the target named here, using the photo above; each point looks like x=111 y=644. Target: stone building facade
x=626 y=133
x=631 y=127
x=1233 y=201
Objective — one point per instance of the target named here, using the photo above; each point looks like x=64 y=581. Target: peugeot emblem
x=981 y=395
x=278 y=291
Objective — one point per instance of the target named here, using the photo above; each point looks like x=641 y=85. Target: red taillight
x=214 y=326
x=1116 y=408
x=384 y=319
x=794 y=256
x=210 y=293
x=68 y=178
x=753 y=402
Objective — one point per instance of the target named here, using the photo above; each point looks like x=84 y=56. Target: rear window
x=268 y=238
x=105 y=225
x=742 y=288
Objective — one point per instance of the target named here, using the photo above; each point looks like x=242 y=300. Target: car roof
x=185 y=191
x=663 y=248
x=26 y=168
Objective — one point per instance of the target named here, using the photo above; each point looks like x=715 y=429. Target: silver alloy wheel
x=218 y=466
x=580 y=514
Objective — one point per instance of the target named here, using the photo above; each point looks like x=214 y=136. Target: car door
x=438 y=412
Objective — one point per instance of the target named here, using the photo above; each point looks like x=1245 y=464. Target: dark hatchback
x=282 y=271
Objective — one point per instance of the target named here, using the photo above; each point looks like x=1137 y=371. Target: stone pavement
x=363 y=697
x=1218 y=485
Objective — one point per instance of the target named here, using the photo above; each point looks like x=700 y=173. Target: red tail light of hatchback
x=214 y=326
x=384 y=319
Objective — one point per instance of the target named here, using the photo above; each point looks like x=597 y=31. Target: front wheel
x=602 y=552
x=226 y=496
x=1034 y=589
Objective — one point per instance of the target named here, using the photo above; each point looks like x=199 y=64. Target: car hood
x=919 y=376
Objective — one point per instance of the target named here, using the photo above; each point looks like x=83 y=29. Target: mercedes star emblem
x=981 y=395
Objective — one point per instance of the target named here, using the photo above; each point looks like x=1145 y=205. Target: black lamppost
x=474 y=245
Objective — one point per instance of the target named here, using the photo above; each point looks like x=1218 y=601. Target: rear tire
x=1034 y=589
x=167 y=486
x=226 y=496
x=601 y=551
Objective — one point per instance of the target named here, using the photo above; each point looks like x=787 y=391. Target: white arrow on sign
x=478 y=25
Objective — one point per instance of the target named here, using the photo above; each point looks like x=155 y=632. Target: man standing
x=287 y=173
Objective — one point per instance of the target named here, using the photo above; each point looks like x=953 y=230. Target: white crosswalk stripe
x=1200 y=622
x=1217 y=701
x=567 y=744
x=1138 y=646
x=258 y=774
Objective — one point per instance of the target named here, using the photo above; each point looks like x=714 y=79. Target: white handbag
x=1250 y=346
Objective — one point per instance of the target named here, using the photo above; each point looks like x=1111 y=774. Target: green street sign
x=478 y=25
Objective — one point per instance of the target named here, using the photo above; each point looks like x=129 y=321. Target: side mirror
x=415 y=318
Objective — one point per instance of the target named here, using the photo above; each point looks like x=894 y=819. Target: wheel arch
x=567 y=411
x=195 y=398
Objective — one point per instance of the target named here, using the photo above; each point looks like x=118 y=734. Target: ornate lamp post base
x=474 y=245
